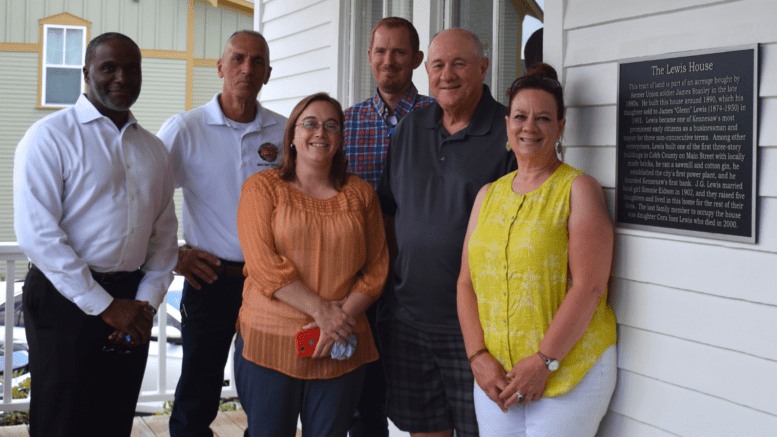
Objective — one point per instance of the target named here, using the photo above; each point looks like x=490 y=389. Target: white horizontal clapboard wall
x=303 y=38
x=697 y=318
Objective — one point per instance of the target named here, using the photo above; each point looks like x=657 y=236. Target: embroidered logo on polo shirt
x=268 y=152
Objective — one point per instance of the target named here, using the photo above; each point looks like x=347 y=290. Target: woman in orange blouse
x=316 y=257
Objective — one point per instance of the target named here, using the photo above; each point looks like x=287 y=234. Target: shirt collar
x=215 y=116
x=482 y=119
x=87 y=112
x=405 y=105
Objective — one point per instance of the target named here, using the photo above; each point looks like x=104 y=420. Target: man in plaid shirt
x=393 y=55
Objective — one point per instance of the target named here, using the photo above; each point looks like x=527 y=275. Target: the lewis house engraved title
x=686 y=143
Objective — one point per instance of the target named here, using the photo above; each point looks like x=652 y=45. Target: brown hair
x=394 y=22
x=287 y=170
x=540 y=77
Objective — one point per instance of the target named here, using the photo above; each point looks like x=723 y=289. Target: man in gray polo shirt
x=438 y=158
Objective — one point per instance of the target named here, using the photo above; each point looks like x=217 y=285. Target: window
x=63 y=40
x=63 y=58
x=503 y=34
x=362 y=84
x=503 y=27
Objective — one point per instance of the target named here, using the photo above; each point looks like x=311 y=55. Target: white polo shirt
x=212 y=157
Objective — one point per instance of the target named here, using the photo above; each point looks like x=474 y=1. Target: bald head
x=461 y=35
x=456 y=68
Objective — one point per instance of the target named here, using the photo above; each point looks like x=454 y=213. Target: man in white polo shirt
x=215 y=148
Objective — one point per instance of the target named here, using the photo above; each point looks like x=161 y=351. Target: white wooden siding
x=697 y=348
x=304 y=57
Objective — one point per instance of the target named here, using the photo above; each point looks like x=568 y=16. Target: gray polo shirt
x=429 y=185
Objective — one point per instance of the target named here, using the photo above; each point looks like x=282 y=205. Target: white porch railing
x=11 y=254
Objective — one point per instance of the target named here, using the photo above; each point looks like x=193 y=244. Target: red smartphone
x=306 y=341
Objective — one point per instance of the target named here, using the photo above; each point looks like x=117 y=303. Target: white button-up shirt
x=212 y=157
x=90 y=196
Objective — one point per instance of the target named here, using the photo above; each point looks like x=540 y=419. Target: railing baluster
x=162 y=348
x=10 y=253
x=10 y=304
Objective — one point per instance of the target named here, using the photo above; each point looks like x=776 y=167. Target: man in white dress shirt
x=93 y=211
x=214 y=149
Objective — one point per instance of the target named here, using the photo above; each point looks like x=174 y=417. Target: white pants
x=576 y=413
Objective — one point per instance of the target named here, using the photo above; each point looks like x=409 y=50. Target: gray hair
x=251 y=33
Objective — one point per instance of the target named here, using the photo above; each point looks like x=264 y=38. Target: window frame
x=62 y=21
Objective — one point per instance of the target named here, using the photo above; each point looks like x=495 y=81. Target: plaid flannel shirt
x=367 y=131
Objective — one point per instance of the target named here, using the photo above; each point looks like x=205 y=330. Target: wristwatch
x=550 y=363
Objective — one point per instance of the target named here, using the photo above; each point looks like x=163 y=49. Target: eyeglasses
x=313 y=125
x=533 y=81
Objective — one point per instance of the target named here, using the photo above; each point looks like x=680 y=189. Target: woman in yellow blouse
x=532 y=293
x=316 y=257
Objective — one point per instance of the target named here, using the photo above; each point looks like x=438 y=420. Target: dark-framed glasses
x=533 y=82
x=313 y=125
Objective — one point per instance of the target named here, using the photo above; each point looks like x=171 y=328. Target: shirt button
x=442 y=159
x=128 y=166
x=89 y=310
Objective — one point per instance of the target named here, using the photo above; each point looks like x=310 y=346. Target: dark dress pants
x=77 y=387
x=208 y=326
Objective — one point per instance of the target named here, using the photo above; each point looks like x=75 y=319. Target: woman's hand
x=491 y=378
x=529 y=377
x=324 y=344
x=335 y=324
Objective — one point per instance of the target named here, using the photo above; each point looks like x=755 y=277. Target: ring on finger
x=519 y=397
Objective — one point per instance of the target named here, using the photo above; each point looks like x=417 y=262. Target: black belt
x=115 y=277
x=106 y=277
x=229 y=268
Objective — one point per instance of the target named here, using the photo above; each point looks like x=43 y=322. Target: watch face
x=553 y=365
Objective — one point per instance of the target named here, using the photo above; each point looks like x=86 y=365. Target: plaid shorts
x=429 y=380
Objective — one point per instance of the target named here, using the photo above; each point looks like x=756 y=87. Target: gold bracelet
x=475 y=355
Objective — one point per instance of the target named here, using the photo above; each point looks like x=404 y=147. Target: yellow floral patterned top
x=518 y=256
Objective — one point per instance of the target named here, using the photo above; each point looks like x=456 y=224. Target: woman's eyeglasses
x=313 y=125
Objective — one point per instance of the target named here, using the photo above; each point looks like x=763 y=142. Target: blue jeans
x=208 y=326
x=273 y=401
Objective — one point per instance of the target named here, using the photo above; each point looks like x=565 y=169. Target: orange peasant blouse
x=336 y=246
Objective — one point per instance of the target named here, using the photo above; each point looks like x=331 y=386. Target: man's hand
x=131 y=317
x=196 y=263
